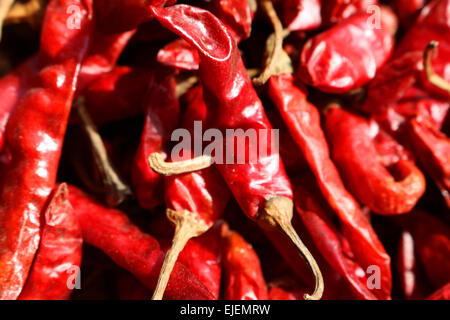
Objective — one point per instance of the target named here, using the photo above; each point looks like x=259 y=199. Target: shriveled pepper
x=303 y=121
x=302 y=14
x=243 y=277
x=261 y=188
x=57 y=262
x=386 y=185
x=329 y=66
x=34 y=136
x=334 y=11
x=111 y=231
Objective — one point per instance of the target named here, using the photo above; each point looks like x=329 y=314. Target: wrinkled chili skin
x=233 y=101
x=111 y=231
x=303 y=122
x=243 y=278
x=162 y=117
x=329 y=242
x=331 y=67
x=334 y=11
x=355 y=154
x=301 y=14
x=58 y=258
x=34 y=137
x=432 y=148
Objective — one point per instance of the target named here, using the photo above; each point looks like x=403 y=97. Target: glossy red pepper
x=331 y=67
x=303 y=122
x=162 y=109
x=408 y=10
x=302 y=14
x=337 y=10
x=34 y=137
x=329 y=241
x=260 y=187
x=57 y=262
x=111 y=231
x=389 y=185
x=441 y=294
x=243 y=277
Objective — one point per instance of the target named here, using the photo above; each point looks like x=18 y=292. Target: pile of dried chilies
x=342 y=193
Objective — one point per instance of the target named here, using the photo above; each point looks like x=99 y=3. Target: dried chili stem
x=185 y=84
x=5 y=6
x=157 y=163
x=116 y=190
x=31 y=11
x=433 y=77
x=278 y=212
x=187 y=226
x=277 y=47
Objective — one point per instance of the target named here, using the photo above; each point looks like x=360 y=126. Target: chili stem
x=5 y=6
x=433 y=77
x=117 y=191
x=187 y=226
x=278 y=212
x=158 y=164
x=277 y=48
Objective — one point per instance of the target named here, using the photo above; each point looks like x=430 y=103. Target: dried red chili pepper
x=243 y=277
x=162 y=109
x=122 y=15
x=408 y=10
x=34 y=136
x=441 y=294
x=331 y=67
x=387 y=187
x=329 y=241
x=303 y=122
x=58 y=258
x=334 y=11
x=261 y=188
x=117 y=95
x=180 y=55
x=301 y=14
x=111 y=231
x=203 y=257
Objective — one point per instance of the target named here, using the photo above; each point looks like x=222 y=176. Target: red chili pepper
x=111 y=231
x=302 y=14
x=303 y=122
x=441 y=294
x=408 y=10
x=122 y=15
x=337 y=10
x=432 y=242
x=34 y=136
x=57 y=262
x=203 y=257
x=195 y=200
x=261 y=187
x=243 y=277
x=117 y=95
x=432 y=148
x=329 y=66
x=386 y=187
x=329 y=242
x=179 y=54
x=162 y=109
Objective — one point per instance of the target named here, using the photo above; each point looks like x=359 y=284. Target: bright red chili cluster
x=352 y=202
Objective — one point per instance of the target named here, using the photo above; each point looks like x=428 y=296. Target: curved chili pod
x=58 y=258
x=303 y=122
x=432 y=148
x=330 y=66
x=34 y=137
x=329 y=242
x=180 y=55
x=111 y=231
x=162 y=110
x=408 y=10
x=243 y=277
x=260 y=185
x=386 y=188
x=334 y=11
